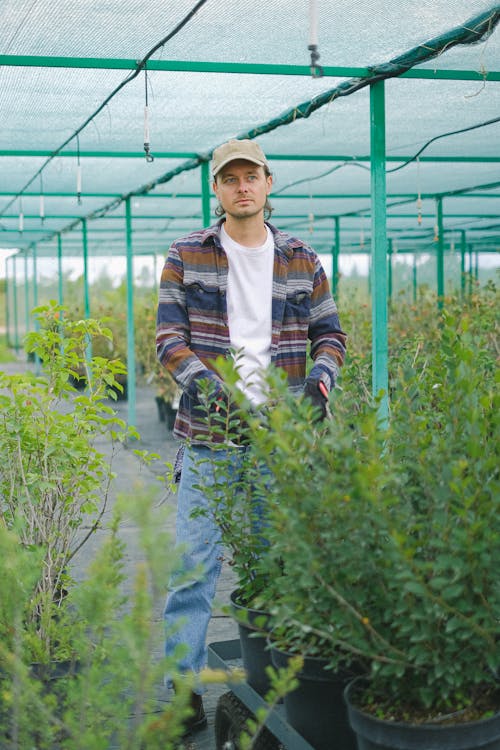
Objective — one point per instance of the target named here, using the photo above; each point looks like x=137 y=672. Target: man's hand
x=206 y=389
x=316 y=391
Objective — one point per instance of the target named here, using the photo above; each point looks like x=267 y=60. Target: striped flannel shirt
x=192 y=324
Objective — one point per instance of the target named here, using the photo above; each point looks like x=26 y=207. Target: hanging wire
x=140 y=66
x=474 y=31
x=316 y=69
x=149 y=156
x=443 y=135
x=352 y=163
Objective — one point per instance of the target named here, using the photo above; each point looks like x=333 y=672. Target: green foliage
x=109 y=694
x=389 y=541
x=5 y=353
x=53 y=478
x=236 y=488
x=283 y=681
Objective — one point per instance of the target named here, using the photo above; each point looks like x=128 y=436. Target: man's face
x=242 y=188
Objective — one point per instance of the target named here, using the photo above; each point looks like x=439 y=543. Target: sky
x=347 y=264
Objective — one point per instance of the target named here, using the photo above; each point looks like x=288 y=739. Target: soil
x=483 y=703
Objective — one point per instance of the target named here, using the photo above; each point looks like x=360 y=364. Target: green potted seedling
x=54 y=479
x=389 y=544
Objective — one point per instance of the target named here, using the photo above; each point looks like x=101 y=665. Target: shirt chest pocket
x=202 y=298
x=298 y=307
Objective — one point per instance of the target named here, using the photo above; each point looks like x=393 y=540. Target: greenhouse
x=383 y=138
x=381 y=124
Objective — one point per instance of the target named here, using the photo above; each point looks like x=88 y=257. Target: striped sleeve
x=328 y=341
x=173 y=327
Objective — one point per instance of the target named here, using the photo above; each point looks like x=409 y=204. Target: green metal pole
x=35 y=276
x=26 y=294
x=35 y=301
x=470 y=269
x=205 y=193
x=476 y=266
x=335 y=257
x=130 y=317
x=440 y=254
x=86 y=296
x=462 y=261
x=8 y=337
x=14 y=301
x=389 y=270
x=59 y=270
x=380 y=376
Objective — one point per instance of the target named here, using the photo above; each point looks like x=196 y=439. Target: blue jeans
x=189 y=603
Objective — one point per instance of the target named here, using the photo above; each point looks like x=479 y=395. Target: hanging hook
x=149 y=156
x=316 y=69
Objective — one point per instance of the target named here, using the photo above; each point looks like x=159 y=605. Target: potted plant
x=315 y=472
x=54 y=481
x=389 y=544
x=237 y=493
x=112 y=699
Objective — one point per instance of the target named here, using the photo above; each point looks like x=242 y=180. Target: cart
x=238 y=705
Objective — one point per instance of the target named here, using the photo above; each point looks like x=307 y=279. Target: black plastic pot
x=160 y=403
x=253 y=632
x=316 y=709
x=376 y=734
x=166 y=412
x=170 y=415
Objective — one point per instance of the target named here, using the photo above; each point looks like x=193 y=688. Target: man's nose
x=242 y=185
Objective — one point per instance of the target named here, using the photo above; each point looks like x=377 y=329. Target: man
x=239 y=285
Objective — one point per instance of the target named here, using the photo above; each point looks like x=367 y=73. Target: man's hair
x=268 y=209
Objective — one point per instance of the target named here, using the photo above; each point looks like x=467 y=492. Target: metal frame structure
x=67 y=234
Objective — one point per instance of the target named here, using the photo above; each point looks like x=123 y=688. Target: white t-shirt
x=249 y=310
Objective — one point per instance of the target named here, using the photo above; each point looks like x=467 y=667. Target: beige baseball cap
x=244 y=149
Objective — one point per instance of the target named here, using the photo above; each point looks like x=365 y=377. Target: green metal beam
x=389 y=270
x=335 y=257
x=190 y=66
x=85 y=248
x=292 y=196
x=26 y=294
x=130 y=317
x=380 y=346
x=190 y=217
x=16 y=316
x=463 y=246
x=205 y=193
x=271 y=157
x=60 y=270
x=440 y=254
